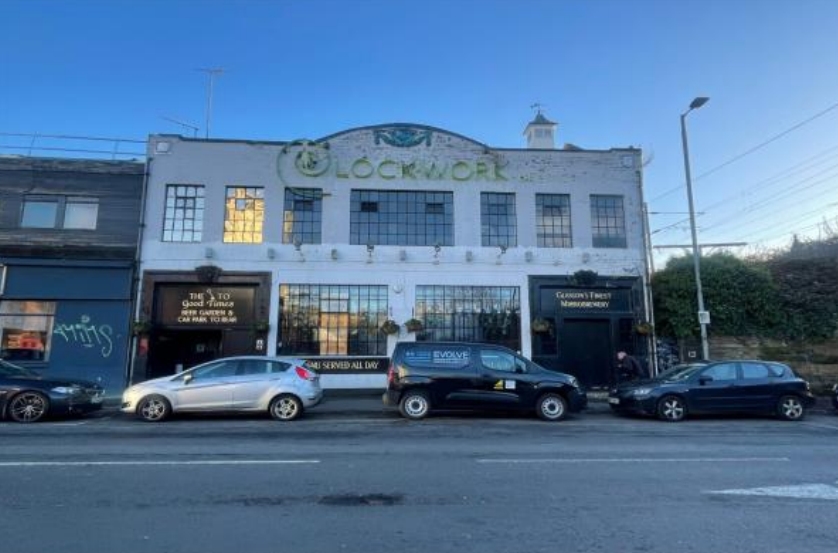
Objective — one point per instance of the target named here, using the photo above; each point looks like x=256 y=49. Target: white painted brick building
x=306 y=247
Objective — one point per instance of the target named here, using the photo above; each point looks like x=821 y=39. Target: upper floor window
x=552 y=212
x=60 y=212
x=244 y=214
x=402 y=218
x=497 y=219
x=184 y=219
x=608 y=222
x=301 y=220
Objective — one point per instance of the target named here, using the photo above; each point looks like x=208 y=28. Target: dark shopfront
x=587 y=325
x=199 y=316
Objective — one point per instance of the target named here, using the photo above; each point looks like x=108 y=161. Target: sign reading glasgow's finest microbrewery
x=205 y=305
x=593 y=300
x=348 y=364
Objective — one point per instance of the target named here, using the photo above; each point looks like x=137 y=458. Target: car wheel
x=154 y=408
x=790 y=408
x=672 y=409
x=28 y=407
x=286 y=408
x=415 y=405
x=551 y=407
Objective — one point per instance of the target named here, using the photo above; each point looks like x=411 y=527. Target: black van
x=453 y=375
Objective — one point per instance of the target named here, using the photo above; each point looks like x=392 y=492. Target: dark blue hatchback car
x=735 y=386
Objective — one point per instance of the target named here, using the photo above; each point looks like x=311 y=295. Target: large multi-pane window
x=402 y=218
x=184 y=218
x=327 y=319
x=608 y=222
x=497 y=219
x=244 y=214
x=490 y=314
x=552 y=220
x=301 y=220
x=26 y=330
x=60 y=212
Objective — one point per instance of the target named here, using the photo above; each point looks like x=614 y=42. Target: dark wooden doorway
x=585 y=349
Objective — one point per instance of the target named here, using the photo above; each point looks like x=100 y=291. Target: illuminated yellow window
x=244 y=215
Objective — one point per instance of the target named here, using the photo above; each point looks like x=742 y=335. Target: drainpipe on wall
x=137 y=281
x=647 y=277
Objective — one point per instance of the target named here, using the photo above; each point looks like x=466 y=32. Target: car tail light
x=391 y=373
x=305 y=374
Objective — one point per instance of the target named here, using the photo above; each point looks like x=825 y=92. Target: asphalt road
x=368 y=483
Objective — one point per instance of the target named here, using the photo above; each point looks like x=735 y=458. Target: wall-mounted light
x=271 y=253
x=469 y=256
x=370 y=251
x=437 y=250
x=334 y=254
x=586 y=257
x=528 y=256
x=209 y=253
x=498 y=260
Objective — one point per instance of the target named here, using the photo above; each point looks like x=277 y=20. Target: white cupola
x=541 y=132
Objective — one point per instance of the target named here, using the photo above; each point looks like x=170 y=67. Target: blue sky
x=612 y=73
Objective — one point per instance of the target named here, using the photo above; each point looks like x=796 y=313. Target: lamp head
x=698 y=102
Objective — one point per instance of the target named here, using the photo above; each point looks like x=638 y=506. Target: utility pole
x=703 y=316
x=211 y=72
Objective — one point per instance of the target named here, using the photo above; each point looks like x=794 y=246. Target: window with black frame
x=328 y=319
x=488 y=314
x=608 y=222
x=402 y=218
x=184 y=216
x=552 y=220
x=302 y=218
x=497 y=219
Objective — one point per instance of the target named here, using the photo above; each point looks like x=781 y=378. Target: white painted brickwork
x=218 y=164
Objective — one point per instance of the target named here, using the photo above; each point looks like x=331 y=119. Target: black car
x=736 y=386
x=26 y=397
x=425 y=376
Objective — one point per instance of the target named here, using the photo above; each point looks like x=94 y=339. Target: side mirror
x=187 y=378
x=704 y=379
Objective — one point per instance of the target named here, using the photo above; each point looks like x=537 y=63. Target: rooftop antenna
x=211 y=72
x=184 y=124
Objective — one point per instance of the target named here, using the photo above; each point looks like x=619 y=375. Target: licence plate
x=614 y=400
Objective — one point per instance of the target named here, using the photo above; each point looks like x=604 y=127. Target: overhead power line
x=751 y=150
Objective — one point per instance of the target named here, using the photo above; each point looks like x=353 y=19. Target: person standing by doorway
x=629 y=368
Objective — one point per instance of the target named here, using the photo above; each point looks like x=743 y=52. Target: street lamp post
x=703 y=316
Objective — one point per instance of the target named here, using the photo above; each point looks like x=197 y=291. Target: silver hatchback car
x=281 y=386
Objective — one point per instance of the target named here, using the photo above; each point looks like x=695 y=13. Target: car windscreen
x=456 y=357
x=13 y=371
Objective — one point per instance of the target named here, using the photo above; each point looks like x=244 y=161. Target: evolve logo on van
x=438 y=356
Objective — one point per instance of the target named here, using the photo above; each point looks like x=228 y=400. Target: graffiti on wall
x=87 y=334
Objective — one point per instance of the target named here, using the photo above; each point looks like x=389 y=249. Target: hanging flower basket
x=141 y=328
x=413 y=325
x=540 y=326
x=390 y=327
x=643 y=328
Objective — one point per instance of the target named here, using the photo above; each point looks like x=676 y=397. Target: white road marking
x=802 y=491
x=815 y=424
x=571 y=461
x=211 y=462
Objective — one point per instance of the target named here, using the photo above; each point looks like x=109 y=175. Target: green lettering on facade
x=498 y=174
x=482 y=171
x=407 y=170
x=362 y=168
x=388 y=175
x=461 y=170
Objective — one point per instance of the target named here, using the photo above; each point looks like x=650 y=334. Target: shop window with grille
x=302 y=218
x=497 y=219
x=402 y=218
x=552 y=220
x=487 y=314
x=244 y=215
x=326 y=319
x=608 y=222
x=184 y=215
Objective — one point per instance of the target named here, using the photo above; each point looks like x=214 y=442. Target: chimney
x=541 y=132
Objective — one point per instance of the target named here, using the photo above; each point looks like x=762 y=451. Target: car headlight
x=573 y=381
x=641 y=392
x=67 y=390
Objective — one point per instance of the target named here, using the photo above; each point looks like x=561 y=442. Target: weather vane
x=538 y=107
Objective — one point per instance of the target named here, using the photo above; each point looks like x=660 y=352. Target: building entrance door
x=171 y=350
x=586 y=350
